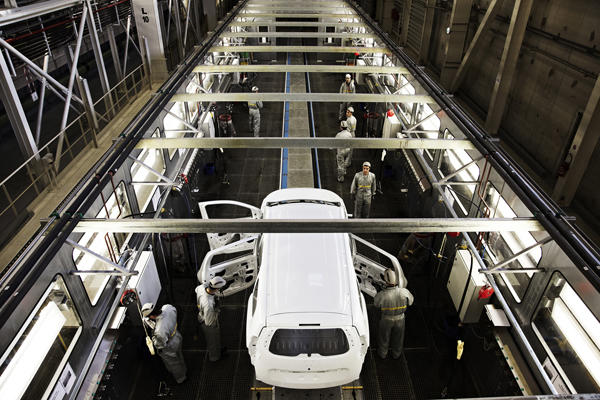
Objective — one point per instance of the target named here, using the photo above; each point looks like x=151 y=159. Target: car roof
x=306 y=272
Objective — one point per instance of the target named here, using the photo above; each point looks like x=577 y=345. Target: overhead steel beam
x=322 y=35
x=14 y=15
x=297 y=15
x=455 y=40
x=300 y=24
x=489 y=16
x=304 y=8
x=581 y=149
x=304 y=97
x=508 y=64
x=342 y=69
x=314 y=143
x=376 y=225
x=300 y=49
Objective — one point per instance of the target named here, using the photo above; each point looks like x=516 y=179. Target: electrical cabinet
x=459 y=278
x=391 y=126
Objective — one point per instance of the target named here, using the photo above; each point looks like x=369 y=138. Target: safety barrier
x=39 y=173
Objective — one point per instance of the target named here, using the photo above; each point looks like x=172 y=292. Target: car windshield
x=295 y=201
x=292 y=342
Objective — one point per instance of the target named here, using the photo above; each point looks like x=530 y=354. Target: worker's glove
x=459 y=349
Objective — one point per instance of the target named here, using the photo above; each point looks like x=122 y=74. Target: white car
x=307 y=324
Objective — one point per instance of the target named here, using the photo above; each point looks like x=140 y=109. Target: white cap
x=147 y=309
x=390 y=277
x=255 y=88
x=348 y=76
x=217 y=282
x=367 y=164
x=351 y=109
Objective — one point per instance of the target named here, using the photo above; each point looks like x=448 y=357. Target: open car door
x=370 y=273
x=229 y=209
x=239 y=269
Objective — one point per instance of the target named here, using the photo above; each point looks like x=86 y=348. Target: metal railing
x=38 y=173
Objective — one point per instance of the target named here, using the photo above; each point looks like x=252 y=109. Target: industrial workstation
x=326 y=199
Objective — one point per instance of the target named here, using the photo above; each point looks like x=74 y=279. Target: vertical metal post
x=455 y=40
x=38 y=126
x=14 y=110
x=178 y=30
x=90 y=111
x=148 y=61
x=98 y=53
x=406 y=6
x=508 y=64
x=10 y=64
x=114 y=51
x=187 y=22
x=45 y=37
x=65 y=116
x=126 y=45
x=581 y=149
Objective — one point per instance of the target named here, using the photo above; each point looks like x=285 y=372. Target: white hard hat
x=348 y=76
x=147 y=309
x=344 y=124
x=367 y=164
x=217 y=282
x=255 y=88
x=390 y=277
x=351 y=109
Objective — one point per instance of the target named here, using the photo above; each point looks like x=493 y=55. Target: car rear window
x=326 y=342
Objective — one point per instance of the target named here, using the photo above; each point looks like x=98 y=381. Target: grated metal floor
x=423 y=371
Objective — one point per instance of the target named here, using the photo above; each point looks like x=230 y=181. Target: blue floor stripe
x=286 y=125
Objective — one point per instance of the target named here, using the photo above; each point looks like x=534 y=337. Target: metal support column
x=14 y=109
x=96 y=47
x=581 y=150
x=38 y=125
x=455 y=40
x=489 y=16
x=508 y=64
x=65 y=116
x=405 y=21
x=114 y=51
x=426 y=32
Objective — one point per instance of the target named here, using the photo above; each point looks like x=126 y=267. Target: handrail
x=37 y=155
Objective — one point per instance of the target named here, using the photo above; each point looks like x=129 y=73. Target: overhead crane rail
x=363 y=225
x=304 y=97
x=291 y=142
x=301 y=49
x=367 y=69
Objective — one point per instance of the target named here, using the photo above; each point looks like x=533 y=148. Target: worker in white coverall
x=392 y=301
x=166 y=338
x=363 y=190
x=343 y=156
x=351 y=120
x=254 y=107
x=347 y=87
x=208 y=315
